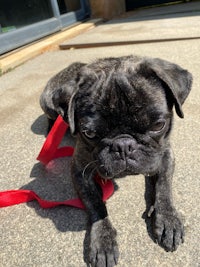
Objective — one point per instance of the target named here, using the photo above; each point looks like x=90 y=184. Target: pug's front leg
x=103 y=248
x=168 y=227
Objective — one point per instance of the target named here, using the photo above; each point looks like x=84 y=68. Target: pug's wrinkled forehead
x=129 y=88
x=127 y=99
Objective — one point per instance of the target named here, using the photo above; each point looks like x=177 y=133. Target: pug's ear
x=178 y=80
x=60 y=99
x=64 y=104
x=69 y=78
x=88 y=79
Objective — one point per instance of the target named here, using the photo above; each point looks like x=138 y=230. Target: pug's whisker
x=87 y=166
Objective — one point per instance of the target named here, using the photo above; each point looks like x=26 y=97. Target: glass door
x=24 y=21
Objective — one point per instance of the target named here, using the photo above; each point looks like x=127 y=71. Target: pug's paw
x=168 y=229
x=103 y=251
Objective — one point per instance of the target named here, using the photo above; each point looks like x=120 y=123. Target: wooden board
x=14 y=59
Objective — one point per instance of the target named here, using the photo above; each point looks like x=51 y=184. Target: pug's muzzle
x=123 y=156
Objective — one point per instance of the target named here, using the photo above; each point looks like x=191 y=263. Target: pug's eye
x=158 y=126
x=89 y=134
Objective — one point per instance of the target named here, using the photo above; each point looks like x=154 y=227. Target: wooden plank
x=118 y=43
x=52 y=42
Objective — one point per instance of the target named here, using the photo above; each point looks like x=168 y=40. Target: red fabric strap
x=50 y=151
x=50 y=148
x=14 y=197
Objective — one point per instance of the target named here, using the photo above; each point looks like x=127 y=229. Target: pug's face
x=124 y=123
x=121 y=113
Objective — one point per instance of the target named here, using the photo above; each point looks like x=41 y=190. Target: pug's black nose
x=124 y=147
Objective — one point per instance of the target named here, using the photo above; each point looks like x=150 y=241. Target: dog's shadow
x=53 y=182
x=40 y=125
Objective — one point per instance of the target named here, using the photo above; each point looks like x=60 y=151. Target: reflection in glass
x=16 y=14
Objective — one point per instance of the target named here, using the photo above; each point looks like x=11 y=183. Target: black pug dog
x=120 y=110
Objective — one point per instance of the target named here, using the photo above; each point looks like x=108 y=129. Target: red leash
x=50 y=151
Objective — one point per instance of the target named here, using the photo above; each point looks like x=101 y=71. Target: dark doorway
x=132 y=4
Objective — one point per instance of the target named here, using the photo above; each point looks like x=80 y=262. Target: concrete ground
x=32 y=236
x=149 y=24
